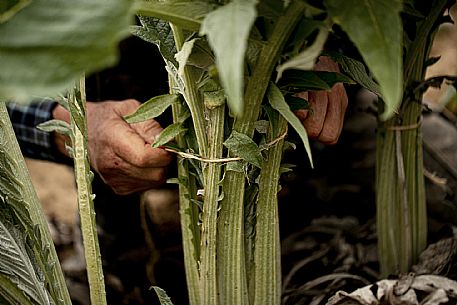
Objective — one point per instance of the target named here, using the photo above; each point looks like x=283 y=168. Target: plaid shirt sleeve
x=34 y=143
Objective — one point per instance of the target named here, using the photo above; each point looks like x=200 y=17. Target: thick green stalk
x=267 y=253
x=189 y=218
x=212 y=172
x=53 y=271
x=231 y=260
x=85 y=203
x=192 y=97
x=401 y=202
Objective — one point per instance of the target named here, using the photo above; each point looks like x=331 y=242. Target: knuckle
x=160 y=175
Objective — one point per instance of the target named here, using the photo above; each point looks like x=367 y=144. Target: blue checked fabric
x=34 y=143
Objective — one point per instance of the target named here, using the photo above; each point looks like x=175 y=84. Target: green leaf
x=278 y=103
x=162 y=295
x=185 y=14
x=357 y=71
x=306 y=59
x=227 y=29
x=50 y=43
x=244 y=147
x=312 y=80
x=158 y=32
x=8 y=8
x=183 y=55
x=376 y=29
x=17 y=265
x=152 y=108
x=56 y=126
x=296 y=103
x=168 y=134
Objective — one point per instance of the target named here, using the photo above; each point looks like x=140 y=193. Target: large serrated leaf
x=46 y=46
x=168 y=134
x=278 y=103
x=186 y=14
x=376 y=29
x=15 y=262
x=152 y=108
x=244 y=147
x=158 y=32
x=227 y=29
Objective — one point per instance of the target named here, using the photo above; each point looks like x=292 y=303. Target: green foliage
x=18 y=265
x=162 y=295
x=168 y=134
x=277 y=101
x=357 y=71
x=244 y=147
x=306 y=59
x=158 y=32
x=49 y=43
x=56 y=126
x=29 y=272
x=375 y=28
x=299 y=81
x=225 y=28
x=186 y=14
x=152 y=108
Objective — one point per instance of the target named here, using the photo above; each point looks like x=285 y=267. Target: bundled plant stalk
x=400 y=196
x=231 y=122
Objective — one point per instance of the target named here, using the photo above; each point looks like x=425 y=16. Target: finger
x=148 y=130
x=313 y=124
x=125 y=178
x=135 y=150
x=334 y=119
x=325 y=63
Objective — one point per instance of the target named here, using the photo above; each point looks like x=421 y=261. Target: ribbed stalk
x=231 y=260
x=54 y=275
x=267 y=253
x=192 y=97
x=189 y=219
x=212 y=172
x=85 y=203
x=401 y=202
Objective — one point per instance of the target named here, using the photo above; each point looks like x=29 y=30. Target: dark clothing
x=34 y=143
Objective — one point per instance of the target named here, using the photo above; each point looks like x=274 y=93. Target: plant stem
x=77 y=103
x=212 y=173
x=192 y=97
x=401 y=203
x=52 y=270
x=267 y=253
x=189 y=218
x=231 y=260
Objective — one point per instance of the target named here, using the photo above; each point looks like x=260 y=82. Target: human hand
x=119 y=152
x=324 y=120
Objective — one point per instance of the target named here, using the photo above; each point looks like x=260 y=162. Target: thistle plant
x=231 y=122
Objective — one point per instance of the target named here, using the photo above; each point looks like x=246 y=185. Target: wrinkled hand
x=324 y=121
x=121 y=153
